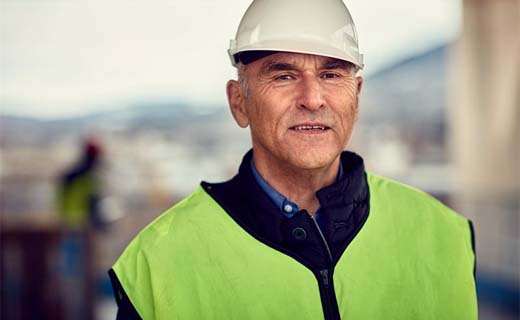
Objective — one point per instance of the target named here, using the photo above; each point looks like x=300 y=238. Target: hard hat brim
x=302 y=46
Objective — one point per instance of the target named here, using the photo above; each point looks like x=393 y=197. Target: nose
x=310 y=93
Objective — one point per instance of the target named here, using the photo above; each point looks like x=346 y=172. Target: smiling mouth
x=310 y=128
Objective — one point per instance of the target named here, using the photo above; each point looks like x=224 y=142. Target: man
x=78 y=198
x=302 y=231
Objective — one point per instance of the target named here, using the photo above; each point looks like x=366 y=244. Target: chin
x=314 y=159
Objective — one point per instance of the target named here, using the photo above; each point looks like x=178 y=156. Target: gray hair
x=242 y=78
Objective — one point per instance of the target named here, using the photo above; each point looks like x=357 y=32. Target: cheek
x=268 y=112
x=349 y=110
x=351 y=92
x=262 y=118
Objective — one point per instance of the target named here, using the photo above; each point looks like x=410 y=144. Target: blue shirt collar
x=286 y=207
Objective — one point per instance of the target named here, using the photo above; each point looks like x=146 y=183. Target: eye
x=330 y=75
x=284 y=77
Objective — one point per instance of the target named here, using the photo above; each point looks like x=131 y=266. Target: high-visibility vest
x=74 y=200
x=412 y=259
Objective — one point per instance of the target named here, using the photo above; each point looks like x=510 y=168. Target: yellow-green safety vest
x=412 y=259
x=73 y=200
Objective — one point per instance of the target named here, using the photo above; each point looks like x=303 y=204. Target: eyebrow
x=337 y=64
x=273 y=66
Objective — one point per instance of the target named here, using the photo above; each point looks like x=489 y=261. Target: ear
x=236 y=101
x=359 y=80
x=359 y=86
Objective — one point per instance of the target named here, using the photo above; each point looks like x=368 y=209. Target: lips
x=310 y=127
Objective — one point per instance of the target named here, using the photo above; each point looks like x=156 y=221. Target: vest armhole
x=472 y=233
x=125 y=308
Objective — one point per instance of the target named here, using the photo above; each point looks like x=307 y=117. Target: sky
x=62 y=58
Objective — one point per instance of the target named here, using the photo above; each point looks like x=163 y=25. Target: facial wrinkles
x=309 y=66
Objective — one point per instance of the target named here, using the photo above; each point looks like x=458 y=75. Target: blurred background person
x=79 y=191
x=80 y=214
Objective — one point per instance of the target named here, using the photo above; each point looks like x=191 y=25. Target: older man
x=302 y=231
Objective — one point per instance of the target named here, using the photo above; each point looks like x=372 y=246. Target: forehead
x=298 y=60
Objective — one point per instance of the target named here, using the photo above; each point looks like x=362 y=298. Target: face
x=301 y=108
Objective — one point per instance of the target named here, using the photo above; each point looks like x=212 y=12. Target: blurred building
x=485 y=131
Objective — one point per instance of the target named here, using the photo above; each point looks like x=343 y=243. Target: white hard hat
x=320 y=27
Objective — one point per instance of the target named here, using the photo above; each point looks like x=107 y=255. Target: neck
x=297 y=184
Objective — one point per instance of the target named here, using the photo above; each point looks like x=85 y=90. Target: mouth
x=310 y=128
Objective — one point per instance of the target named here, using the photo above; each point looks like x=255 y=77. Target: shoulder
x=165 y=241
x=413 y=212
x=400 y=196
x=173 y=221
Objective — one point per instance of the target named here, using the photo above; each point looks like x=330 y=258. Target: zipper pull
x=325 y=277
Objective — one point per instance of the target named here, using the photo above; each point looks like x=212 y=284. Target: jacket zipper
x=328 y=296
x=323 y=239
x=326 y=299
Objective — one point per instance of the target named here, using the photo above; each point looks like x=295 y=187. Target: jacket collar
x=344 y=209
